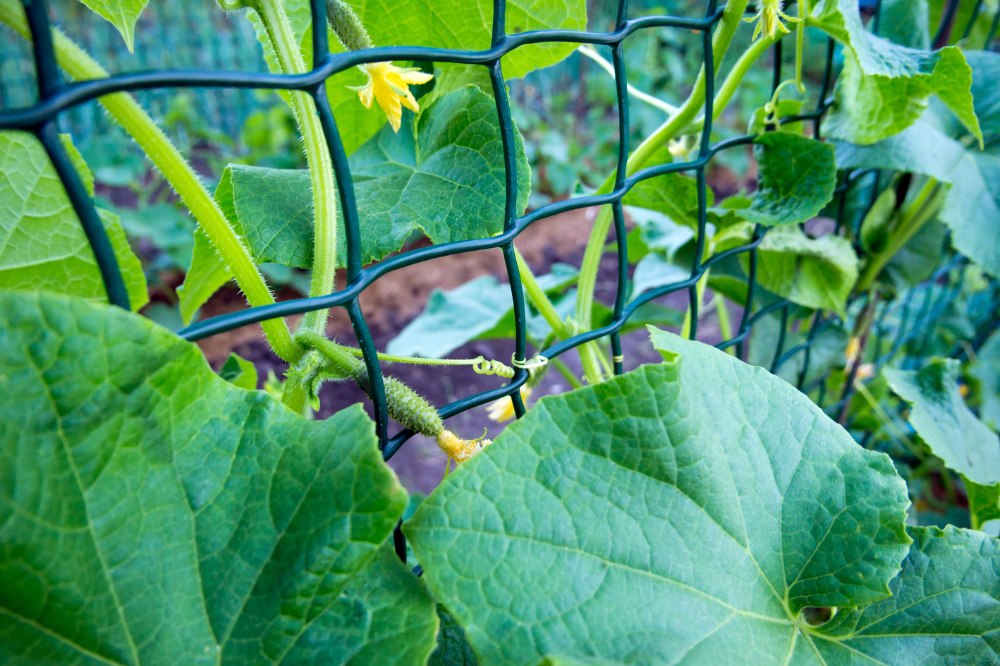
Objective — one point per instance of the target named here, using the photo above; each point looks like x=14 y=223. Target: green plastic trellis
x=57 y=96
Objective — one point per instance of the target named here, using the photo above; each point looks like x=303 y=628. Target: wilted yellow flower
x=503 y=409
x=459 y=449
x=768 y=18
x=389 y=86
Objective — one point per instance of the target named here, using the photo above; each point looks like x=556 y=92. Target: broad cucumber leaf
x=942 y=419
x=120 y=13
x=42 y=245
x=818 y=273
x=162 y=515
x=885 y=87
x=797 y=177
x=686 y=511
x=447 y=183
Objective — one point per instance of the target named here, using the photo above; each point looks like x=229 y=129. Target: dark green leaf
x=685 y=510
x=796 y=179
x=162 y=515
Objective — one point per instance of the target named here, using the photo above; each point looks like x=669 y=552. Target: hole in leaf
x=816 y=616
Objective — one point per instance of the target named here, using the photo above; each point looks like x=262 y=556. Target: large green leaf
x=42 y=244
x=162 y=515
x=688 y=510
x=120 y=13
x=448 y=184
x=796 y=179
x=818 y=273
x=468 y=24
x=885 y=87
x=942 y=419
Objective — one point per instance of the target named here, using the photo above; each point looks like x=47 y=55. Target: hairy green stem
x=181 y=176
x=674 y=126
x=321 y=177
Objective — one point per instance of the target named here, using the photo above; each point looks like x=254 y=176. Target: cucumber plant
x=699 y=509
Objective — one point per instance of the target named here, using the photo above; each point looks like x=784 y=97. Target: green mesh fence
x=903 y=327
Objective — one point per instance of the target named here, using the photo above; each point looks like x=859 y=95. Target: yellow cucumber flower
x=459 y=449
x=389 y=86
x=768 y=18
x=503 y=409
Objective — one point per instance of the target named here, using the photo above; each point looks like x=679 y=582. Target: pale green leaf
x=818 y=273
x=668 y=514
x=42 y=244
x=120 y=13
x=885 y=87
x=162 y=515
x=942 y=419
x=905 y=22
